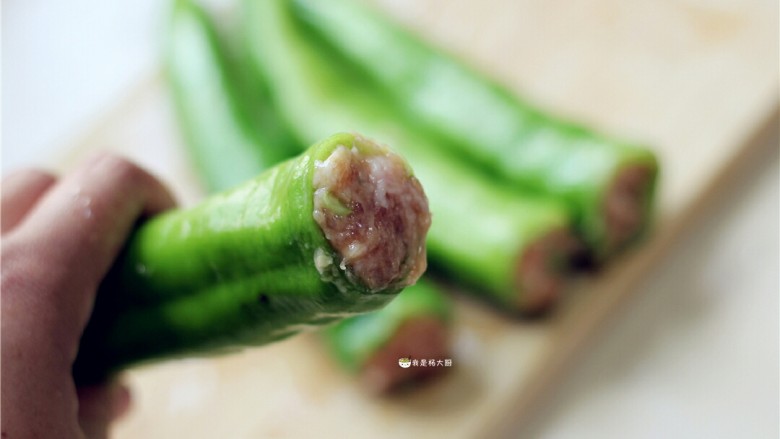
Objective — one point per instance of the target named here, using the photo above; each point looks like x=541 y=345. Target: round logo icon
x=405 y=362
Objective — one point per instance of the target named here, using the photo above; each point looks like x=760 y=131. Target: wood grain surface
x=696 y=80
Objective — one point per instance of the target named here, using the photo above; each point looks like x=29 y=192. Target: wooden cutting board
x=696 y=80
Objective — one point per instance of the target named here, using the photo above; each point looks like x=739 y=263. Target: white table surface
x=695 y=354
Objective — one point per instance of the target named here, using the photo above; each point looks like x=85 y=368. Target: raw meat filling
x=374 y=213
x=543 y=269
x=625 y=206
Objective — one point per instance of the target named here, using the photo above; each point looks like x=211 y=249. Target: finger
x=72 y=236
x=100 y=405
x=21 y=190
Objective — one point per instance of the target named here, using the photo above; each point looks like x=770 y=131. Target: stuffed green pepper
x=606 y=183
x=231 y=132
x=416 y=325
x=337 y=231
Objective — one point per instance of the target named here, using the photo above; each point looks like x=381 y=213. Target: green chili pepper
x=231 y=132
x=505 y=243
x=353 y=341
x=415 y=325
x=245 y=267
x=606 y=183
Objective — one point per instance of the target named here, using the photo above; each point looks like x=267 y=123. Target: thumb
x=101 y=404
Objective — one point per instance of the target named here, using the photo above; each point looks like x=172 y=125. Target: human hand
x=59 y=239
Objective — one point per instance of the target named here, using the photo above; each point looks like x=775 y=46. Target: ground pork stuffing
x=374 y=213
x=625 y=206
x=543 y=269
x=418 y=338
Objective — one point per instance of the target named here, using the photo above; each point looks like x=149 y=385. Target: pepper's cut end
x=417 y=338
x=542 y=270
x=626 y=205
x=374 y=214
